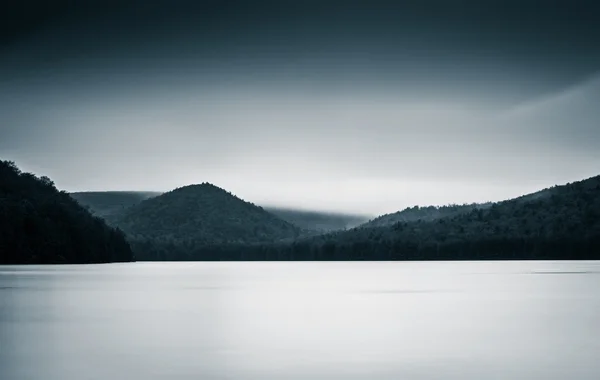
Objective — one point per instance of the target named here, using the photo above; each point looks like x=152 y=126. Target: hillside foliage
x=562 y=224
x=200 y=216
x=110 y=205
x=39 y=224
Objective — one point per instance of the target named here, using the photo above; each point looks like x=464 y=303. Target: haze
x=348 y=106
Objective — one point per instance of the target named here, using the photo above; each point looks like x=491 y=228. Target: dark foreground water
x=462 y=320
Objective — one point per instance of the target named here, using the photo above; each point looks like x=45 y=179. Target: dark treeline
x=41 y=225
x=560 y=223
x=491 y=249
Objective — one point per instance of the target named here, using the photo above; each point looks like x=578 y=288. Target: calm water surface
x=461 y=320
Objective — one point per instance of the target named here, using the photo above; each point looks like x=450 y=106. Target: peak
x=203 y=185
x=199 y=190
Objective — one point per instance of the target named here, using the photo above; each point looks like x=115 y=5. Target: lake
x=361 y=320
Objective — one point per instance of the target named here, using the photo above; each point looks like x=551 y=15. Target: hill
x=199 y=216
x=317 y=221
x=203 y=222
x=562 y=222
x=427 y=214
x=41 y=225
x=111 y=204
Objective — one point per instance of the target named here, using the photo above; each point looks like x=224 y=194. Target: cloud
x=387 y=105
x=564 y=121
x=315 y=135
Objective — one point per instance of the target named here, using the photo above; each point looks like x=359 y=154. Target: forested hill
x=562 y=222
x=426 y=214
x=200 y=215
x=111 y=204
x=41 y=225
x=204 y=222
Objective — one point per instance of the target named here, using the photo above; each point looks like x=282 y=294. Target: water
x=461 y=320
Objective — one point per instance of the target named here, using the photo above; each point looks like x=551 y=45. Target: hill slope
x=201 y=215
x=562 y=222
x=203 y=222
x=39 y=224
x=111 y=204
x=427 y=214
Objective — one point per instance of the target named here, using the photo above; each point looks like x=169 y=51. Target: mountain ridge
x=559 y=222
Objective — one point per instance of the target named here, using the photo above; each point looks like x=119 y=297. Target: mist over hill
x=317 y=221
x=110 y=204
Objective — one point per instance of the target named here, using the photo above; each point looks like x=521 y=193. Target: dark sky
x=365 y=106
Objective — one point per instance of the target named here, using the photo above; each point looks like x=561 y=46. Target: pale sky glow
x=359 y=154
x=373 y=110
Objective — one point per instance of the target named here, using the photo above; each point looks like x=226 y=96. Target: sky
x=357 y=106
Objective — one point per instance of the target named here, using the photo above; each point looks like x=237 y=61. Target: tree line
x=561 y=223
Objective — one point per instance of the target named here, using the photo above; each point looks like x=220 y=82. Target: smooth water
x=368 y=320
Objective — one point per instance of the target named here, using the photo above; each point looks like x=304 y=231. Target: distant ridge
x=317 y=221
x=205 y=222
